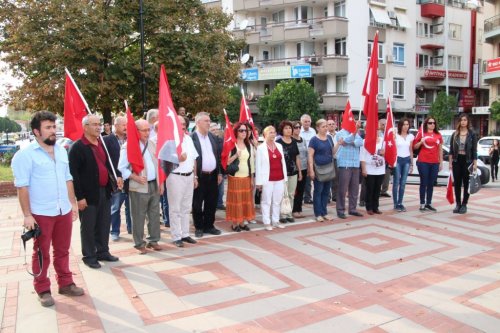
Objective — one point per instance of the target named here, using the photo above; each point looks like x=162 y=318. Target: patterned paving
x=396 y=272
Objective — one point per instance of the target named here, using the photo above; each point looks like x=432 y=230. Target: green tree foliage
x=98 y=42
x=495 y=110
x=443 y=109
x=289 y=100
x=232 y=105
x=9 y=126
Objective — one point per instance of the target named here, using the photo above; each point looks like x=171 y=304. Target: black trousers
x=205 y=201
x=299 y=193
x=494 y=168
x=461 y=178
x=95 y=221
x=373 y=188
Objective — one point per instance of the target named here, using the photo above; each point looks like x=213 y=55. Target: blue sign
x=251 y=74
x=299 y=71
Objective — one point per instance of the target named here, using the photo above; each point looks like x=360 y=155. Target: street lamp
x=143 y=69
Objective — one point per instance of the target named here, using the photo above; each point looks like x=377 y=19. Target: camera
x=29 y=234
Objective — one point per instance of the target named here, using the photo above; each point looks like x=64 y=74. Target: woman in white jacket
x=270 y=176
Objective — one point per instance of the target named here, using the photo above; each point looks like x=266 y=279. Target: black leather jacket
x=470 y=147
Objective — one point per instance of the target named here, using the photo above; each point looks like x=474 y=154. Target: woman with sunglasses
x=463 y=154
x=301 y=183
x=239 y=202
x=429 y=161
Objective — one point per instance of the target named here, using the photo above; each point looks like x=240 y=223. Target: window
x=339 y=8
x=279 y=17
x=454 y=62
x=398 y=88
x=340 y=46
x=380 y=51
x=423 y=60
x=455 y=31
x=381 y=88
x=265 y=55
x=325 y=48
x=398 y=53
x=278 y=52
x=325 y=12
x=423 y=29
x=302 y=14
x=341 y=84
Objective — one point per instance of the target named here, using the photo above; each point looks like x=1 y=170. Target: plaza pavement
x=396 y=272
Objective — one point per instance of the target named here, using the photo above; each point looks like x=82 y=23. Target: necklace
x=272 y=150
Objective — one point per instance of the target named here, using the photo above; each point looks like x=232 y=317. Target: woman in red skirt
x=239 y=198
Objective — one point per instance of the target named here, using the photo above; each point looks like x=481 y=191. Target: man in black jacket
x=208 y=174
x=114 y=142
x=89 y=165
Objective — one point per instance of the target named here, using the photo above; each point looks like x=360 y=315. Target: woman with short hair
x=301 y=183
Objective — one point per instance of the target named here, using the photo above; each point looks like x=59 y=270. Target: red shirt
x=275 y=166
x=100 y=157
x=429 y=151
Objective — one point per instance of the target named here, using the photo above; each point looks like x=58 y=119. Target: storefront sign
x=276 y=73
x=493 y=65
x=251 y=74
x=467 y=98
x=436 y=74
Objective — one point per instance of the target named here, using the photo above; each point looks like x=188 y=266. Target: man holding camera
x=46 y=195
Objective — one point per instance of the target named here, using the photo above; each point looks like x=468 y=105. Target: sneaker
x=46 y=299
x=269 y=228
x=290 y=219
x=402 y=208
x=179 y=243
x=320 y=219
x=463 y=209
x=71 y=290
x=278 y=225
x=422 y=208
x=252 y=222
x=115 y=238
x=328 y=217
x=456 y=210
x=429 y=207
x=385 y=195
x=283 y=220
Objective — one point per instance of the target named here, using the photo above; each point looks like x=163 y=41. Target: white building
x=491 y=54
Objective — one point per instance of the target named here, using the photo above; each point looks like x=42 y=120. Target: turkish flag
x=391 y=152
x=75 y=109
x=348 y=122
x=370 y=108
x=134 y=154
x=229 y=142
x=246 y=115
x=169 y=126
x=449 y=189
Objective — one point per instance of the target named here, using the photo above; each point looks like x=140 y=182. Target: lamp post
x=143 y=67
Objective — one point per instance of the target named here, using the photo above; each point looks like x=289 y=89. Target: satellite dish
x=244 y=58
x=243 y=24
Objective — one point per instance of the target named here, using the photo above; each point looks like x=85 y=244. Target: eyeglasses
x=296 y=127
x=242 y=130
x=431 y=123
x=144 y=130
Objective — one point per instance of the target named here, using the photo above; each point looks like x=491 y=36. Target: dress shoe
x=297 y=215
x=385 y=195
x=93 y=264
x=236 y=228
x=198 y=233
x=370 y=212
x=356 y=214
x=429 y=207
x=46 y=299
x=108 y=257
x=290 y=219
x=189 y=240
x=376 y=211
x=456 y=210
x=283 y=220
x=214 y=231
x=309 y=202
x=244 y=227
x=142 y=250
x=463 y=209
x=341 y=216
x=71 y=290
x=179 y=243
x=154 y=246
x=167 y=224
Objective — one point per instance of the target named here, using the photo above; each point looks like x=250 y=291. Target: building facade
x=491 y=63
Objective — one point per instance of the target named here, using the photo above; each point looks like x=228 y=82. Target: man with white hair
x=307 y=133
x=152 y=118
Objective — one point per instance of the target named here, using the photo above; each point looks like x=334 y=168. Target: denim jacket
x=470 y=147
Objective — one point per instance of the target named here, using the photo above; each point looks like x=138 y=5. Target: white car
x=483 y=147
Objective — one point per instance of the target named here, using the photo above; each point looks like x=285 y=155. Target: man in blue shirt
x=47 y=198
x=347 y=152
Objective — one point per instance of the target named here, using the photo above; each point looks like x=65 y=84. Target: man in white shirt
x=307 y=133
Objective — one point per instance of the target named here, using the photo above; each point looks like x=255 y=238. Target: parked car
x=483 y=170
x=483 y=147
x=65 y=143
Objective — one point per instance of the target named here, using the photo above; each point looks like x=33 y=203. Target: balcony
x=334 y=101
x=239 y=5
x=335 y=64
x=492 y=73
x=492 y=29
x=432 y=9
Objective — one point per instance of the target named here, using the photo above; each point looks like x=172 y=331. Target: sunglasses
x=242 y=130
x=431 y=123
x=296 y=127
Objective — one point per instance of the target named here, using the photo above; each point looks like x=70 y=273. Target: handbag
x=324 y=173
x=233 y=168
x=286 y=205
x=474 y=183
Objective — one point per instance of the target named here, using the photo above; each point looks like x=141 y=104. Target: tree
x=232 y=105
x=443 y=109
x=289 y=100
x=495 y=110
x=9 y=126
x=98 y=42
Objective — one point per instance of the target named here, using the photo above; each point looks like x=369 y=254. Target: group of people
x=96 y=178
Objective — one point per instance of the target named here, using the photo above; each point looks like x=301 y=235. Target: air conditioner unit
x=390 y=58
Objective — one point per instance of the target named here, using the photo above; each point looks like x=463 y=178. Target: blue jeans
x=164 y=208
x=117 y=200
x=320 y=197
x=399 y=180
x=428 y=174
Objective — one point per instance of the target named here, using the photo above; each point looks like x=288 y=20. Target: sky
x=5 y=79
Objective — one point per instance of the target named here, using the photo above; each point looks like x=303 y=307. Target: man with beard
x=45 y=191
x=89 y=167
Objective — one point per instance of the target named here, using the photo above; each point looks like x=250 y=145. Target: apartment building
x=491 y=64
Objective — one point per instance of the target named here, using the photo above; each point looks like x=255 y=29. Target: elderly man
x=152 y=118
x=307 y=133
x=181 y=182
x=208 y=173
x=45 y=191
x=144 y=191
x=347 y=151
x=89 y=167
x=114 y=143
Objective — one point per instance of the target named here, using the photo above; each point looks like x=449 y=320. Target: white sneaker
x=328 y=217
x=320 y=219
x=278 y=225
x=269 y=228
x=252 y=222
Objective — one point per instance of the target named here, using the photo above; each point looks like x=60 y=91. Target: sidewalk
x=396 y=272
